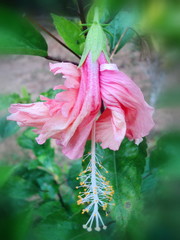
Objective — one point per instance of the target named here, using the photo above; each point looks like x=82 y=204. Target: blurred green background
x=37 y=184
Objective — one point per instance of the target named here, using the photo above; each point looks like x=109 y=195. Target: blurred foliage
x=38 y=198
x=8 y=128
x=35 y=186
x=166 y=154
x=35 y=192
x=169 y=98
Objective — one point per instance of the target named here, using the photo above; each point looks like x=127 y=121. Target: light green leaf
x=18 y=36
x=70 y=32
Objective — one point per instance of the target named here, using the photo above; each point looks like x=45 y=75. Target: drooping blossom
x=74 y=116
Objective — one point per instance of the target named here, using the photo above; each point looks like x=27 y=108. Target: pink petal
x=111 y=129
x=70 y=72
x=75 y=147
x=119 y=91
x=84 y=111
x=69 y=117
x=34 y=114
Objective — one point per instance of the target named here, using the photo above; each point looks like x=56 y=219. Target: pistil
x=97 y=193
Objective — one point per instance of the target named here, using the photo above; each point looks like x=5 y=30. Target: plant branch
x=59 y=60
x=81 y=14
x=122 y=36
x=54 y=37
x=56 y=181
x=118 y=43
x=61 y=201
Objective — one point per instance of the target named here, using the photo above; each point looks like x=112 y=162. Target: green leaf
x=125 y=169
x=18 y=36
x=70 y=32
x=7 y=128
x=118 y=27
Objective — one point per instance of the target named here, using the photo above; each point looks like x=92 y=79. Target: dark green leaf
x=70 y=32
x=18 y=36
x=118 y=27
x=59 y=225
x=125 y=169
x=73 y=173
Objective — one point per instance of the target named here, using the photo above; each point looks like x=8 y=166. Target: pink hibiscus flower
x=70 y=116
